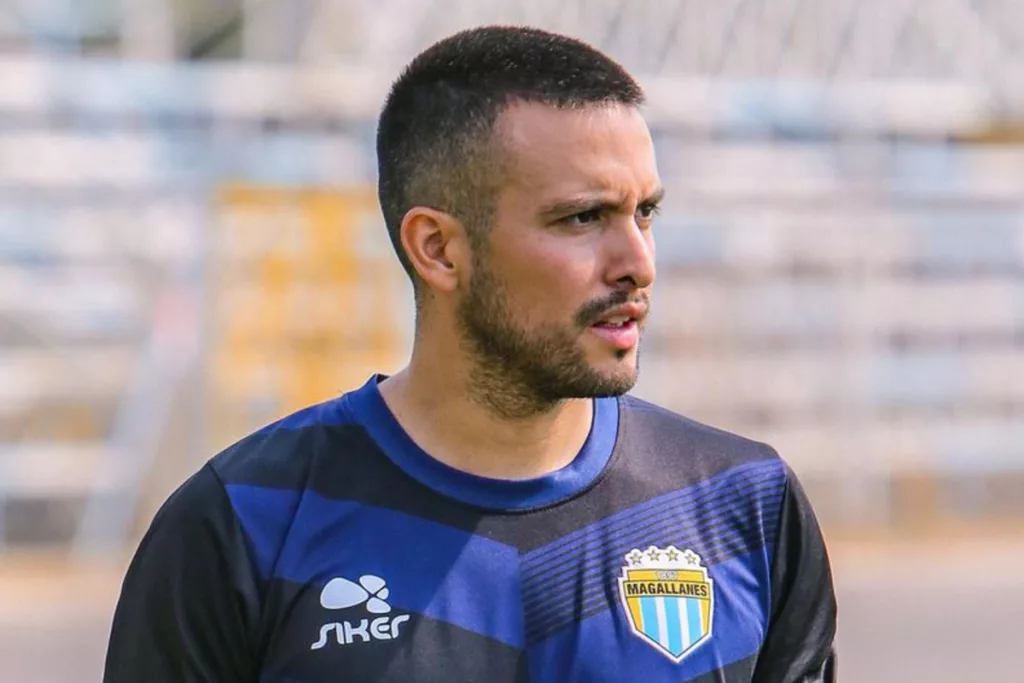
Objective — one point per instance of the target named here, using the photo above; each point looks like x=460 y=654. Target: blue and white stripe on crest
x=674 y=623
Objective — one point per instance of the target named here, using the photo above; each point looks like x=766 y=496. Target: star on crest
x=653 y=554
x=672 y=554
x=691 y=557
x=635 y=557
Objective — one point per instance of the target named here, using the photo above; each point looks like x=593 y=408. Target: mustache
x=592 y=312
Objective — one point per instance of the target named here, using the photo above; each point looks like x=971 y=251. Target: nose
x=632 y=263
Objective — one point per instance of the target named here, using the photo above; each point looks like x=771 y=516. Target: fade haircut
x=435 y=136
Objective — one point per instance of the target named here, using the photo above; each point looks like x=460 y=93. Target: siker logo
x=372 y=592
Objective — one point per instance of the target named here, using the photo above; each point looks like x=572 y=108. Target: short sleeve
x=799 y=646
x=189 y=603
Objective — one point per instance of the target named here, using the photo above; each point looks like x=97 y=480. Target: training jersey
x=329 y=548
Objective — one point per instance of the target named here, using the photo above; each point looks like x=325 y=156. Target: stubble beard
x=518 y=373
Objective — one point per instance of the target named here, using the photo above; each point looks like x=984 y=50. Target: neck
x=434 y=402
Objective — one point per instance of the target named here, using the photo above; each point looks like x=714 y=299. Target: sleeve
x=189 y=603
x=799 y=646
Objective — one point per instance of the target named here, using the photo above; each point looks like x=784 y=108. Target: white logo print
x=372 y=592
x=341 y=593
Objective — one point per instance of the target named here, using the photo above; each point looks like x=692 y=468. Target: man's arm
x=799 y=647
x=189 y=602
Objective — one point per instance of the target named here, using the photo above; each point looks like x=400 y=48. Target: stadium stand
x=841 y=258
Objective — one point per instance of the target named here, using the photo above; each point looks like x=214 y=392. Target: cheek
x=546 y=288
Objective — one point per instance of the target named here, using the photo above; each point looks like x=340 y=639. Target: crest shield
x=668 y=598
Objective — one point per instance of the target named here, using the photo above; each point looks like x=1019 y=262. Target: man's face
x=561 y=282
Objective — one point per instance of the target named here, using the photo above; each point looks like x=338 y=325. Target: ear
x=436 y=245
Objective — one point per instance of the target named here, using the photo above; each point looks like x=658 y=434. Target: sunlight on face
x=559 y=291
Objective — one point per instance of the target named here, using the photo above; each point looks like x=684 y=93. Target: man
x=499 y=510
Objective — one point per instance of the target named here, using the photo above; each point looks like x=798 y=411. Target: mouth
x=616 y=321
x=621 y=331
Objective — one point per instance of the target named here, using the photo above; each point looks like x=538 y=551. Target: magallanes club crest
x=669 y=599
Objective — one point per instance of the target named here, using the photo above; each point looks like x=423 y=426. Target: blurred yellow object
x=306 y=300
x=1002 y=133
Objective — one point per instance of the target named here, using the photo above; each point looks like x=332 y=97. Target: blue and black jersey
x=329 y=548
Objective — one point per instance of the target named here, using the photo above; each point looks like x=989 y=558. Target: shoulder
x=667 y=452
x=282 y=453
x=265 y=476
x=653 y=427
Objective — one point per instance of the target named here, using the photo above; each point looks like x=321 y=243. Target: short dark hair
x=434 y=136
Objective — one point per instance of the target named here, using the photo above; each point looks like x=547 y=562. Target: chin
x=614 y=381
x=593 y=374
x=618 y=363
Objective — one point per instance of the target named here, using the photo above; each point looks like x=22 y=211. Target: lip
x=636 y=312
x=623 y=338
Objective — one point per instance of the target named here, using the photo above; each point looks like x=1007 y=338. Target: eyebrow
x=588 y=202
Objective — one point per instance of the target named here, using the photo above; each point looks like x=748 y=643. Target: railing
x=838 y=280
x=976 y=41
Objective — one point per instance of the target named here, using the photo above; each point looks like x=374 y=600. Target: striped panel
x=605 y=642
x=734 y=513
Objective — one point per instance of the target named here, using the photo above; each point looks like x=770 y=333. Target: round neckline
x=374 y=415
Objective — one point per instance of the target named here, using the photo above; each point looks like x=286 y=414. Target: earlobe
x=433 y=241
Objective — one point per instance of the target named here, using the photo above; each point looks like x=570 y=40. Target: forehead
x=552 y=152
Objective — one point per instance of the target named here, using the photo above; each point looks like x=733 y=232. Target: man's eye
x=647 y=211
x=585 y=217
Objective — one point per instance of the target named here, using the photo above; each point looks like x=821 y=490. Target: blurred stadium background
x=190 y=247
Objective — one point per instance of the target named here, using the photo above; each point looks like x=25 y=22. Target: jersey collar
x=373 y=414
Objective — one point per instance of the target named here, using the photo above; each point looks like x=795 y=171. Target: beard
x=519 y=372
